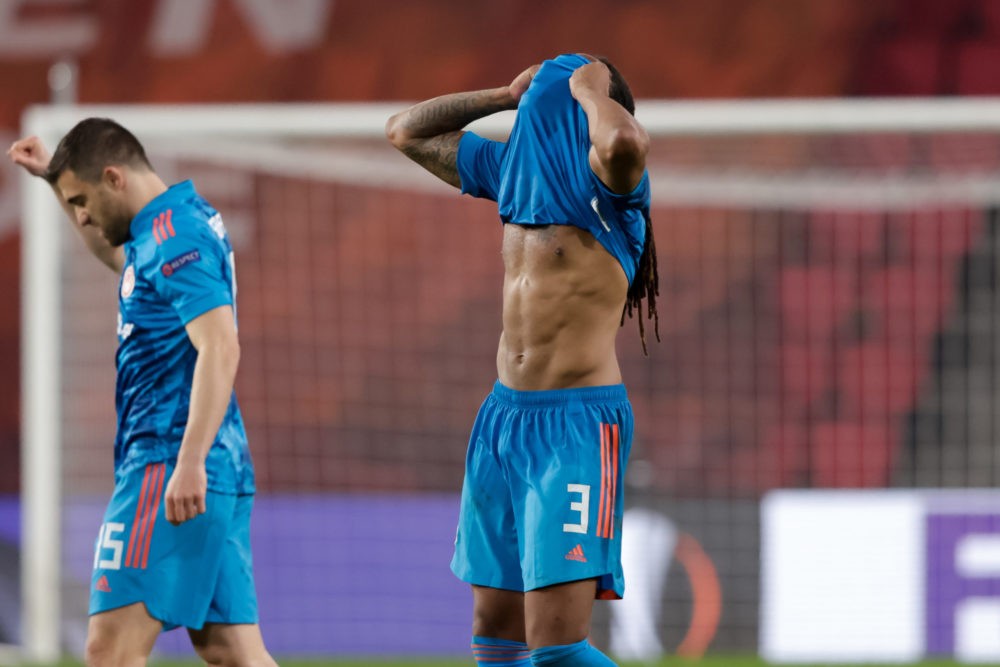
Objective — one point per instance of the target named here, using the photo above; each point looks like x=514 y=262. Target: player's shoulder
x=180 y=236
x=181 y=211
x=186 y=223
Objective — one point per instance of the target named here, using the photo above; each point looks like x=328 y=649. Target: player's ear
x=113 y=177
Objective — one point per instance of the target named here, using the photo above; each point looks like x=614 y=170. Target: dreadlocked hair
x=645 y=285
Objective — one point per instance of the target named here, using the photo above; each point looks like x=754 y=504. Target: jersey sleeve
x=639 y=198
x=193 y=270
x=479 y=165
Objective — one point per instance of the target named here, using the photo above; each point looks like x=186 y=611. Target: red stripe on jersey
x=169 y=215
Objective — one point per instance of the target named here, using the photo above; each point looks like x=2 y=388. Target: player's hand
x=594 y=77
x=521 y=83
x=31 y=154
x=186 y=492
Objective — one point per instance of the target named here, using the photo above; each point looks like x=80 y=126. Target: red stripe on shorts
x=144 y=520
x=614 y=481
x=160 y=472
x=600 y=510
x=135 y=522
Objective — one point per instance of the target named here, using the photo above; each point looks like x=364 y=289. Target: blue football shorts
x=542 y=497
x=188 y=575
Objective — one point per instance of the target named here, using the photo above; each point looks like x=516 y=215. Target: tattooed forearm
x=453 y=112
x=429 y=132
x=437 y=155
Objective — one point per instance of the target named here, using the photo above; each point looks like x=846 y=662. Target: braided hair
x=645 y=285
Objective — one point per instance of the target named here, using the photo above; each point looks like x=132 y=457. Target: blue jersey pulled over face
x=541 y=175
x=178 y=265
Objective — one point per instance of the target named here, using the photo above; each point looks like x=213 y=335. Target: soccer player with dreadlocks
x=539 y=534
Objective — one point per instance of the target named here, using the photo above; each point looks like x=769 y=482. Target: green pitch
x=714 y=661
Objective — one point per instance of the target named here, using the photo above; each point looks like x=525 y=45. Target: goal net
x=827 y=315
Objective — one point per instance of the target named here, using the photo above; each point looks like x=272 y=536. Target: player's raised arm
x=31 y=154
x=619 y=144
x=429 y=132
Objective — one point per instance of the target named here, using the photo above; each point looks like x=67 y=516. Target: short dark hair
x=92 y=145
x=619 y=91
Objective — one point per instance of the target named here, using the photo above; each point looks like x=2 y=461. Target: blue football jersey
x=541 y=175
x=178 y=265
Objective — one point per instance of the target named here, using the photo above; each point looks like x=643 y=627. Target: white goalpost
x=343 y=144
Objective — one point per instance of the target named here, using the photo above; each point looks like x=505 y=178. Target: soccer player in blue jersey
x=174 y=547
x=539 y=533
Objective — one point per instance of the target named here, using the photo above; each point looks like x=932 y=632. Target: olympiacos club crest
x=128 y=281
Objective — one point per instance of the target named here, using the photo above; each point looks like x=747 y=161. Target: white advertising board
x=880 y=576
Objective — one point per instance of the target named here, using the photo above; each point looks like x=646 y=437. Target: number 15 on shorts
x=108 y=545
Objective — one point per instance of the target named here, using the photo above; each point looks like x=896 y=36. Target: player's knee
x=226 y=656
x=102 y=651
x=488 y=623
x=500 y=623
x=498 y=614
x=215 y=656
x=96 y=654
x=555 y=630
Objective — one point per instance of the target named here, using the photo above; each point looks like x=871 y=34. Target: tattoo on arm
x=438 y=155
x=453 y=112
x=429 y=132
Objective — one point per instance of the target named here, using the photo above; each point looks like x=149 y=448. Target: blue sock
x=490 y=652
x=580 y=654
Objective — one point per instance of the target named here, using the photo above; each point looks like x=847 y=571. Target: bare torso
x=563 y=295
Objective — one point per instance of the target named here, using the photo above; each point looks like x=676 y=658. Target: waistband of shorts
x=553 y=397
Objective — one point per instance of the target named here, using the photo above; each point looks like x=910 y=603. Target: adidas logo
x=103 y=585
x=576 y=553
x=163 y=227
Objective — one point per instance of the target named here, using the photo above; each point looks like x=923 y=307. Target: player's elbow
x=396 y=132
x=623 y=146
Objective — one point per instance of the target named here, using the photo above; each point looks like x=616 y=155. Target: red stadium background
x=265 y=50
x=369 y=341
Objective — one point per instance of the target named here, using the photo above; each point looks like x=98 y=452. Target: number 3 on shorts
x=582 y=506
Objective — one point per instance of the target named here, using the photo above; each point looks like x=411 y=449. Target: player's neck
x=144 y=188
